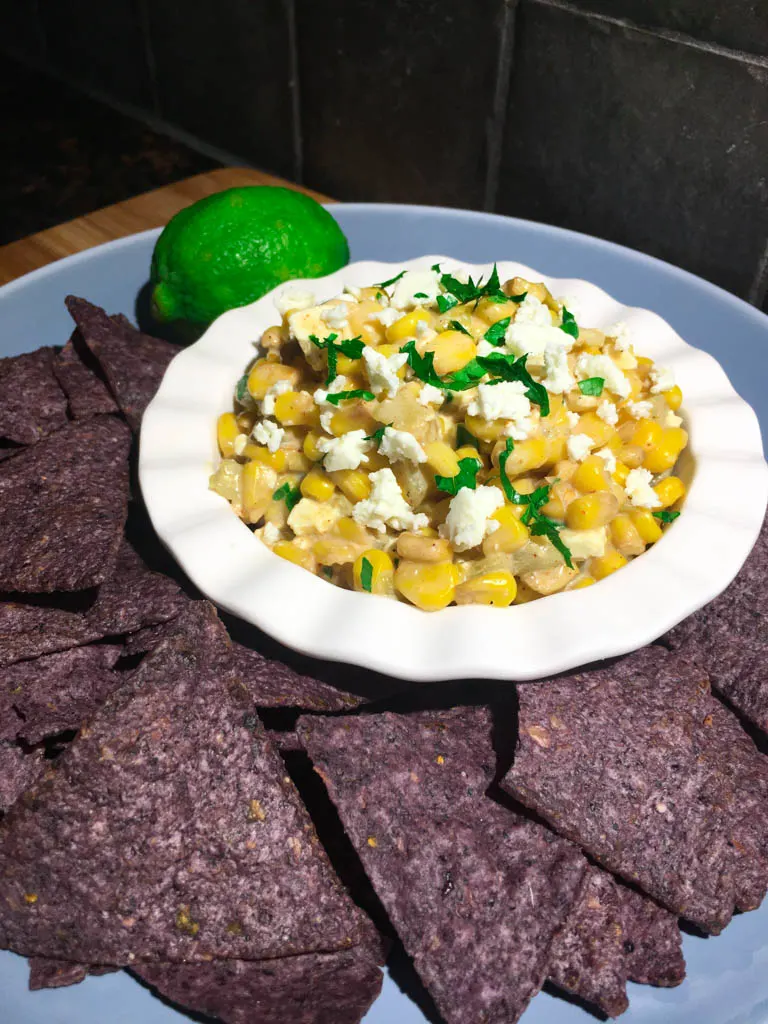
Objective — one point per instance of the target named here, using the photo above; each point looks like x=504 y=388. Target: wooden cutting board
x=150 y=210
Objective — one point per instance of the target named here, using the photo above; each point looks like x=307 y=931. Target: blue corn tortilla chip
x=316 y=988
x=48 y=695
x=19 y=770
x=45 y=973
x=168 y=830
x=133 y=363
x=87 y=394
x=65 y=501
x=132 y=599
x=728 y=638
x=475 y=892
x=32 y=405
x=199 y=635
x=639 y=764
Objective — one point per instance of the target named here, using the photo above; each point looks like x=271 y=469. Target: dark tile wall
x=223 y=73
x=396 y=96
x=96 y=49
x=742 y=24
x=626 y=135
x=642 y=121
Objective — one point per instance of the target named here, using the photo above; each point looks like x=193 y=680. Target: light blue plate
x=727 y=977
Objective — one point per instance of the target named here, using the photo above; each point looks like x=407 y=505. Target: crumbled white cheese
x=382 y=370
x=588 y=365
x=608 y=458
x=559 y=378
x=239 y=443
x=335 y=316
x=533 y=311
x=353 y=290
x=663 y=379
x=412 y=285
x=386 y=506
x=386 y=317
x=345 y=452
x=424 y=332
x=466 y=524
x=505 y=401
x=310 y=516
x=267 y=432
x=532 y=330
x=289 y=301
x=608 y=412
x=579 y=446
x=430 y=395
x=400 y=446
x=320 y=395
x=573 y=419
x=671 y=420
x=326 y=419
x=640 y=410
x=621 y=336
x=484 y=348
x=270 y=534
x=639 y=490
x=585 y=543
x=268 y=402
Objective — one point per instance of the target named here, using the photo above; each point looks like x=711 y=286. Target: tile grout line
x=758 y=290
x=716 y=49
x=496 y=123
x=149 y=54
x=294 y=85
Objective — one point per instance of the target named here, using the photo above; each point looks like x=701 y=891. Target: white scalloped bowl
x=695 y=560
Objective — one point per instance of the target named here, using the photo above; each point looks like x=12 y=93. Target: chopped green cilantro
x=344 y=396
x=506 y=367
x=366 y=575
x=379 y=296
x=446 y=302
x=392 y=280
x=466 y=377
x=422 y=366
x=351 y=347
x=665 y=516
x=435 y=267
x=592 y=386
x=377 y=435
x=420 y=295
x=471 y=291
x=496 y=333
x=328 y=572
x=518 y=298
x=569 y=324
x=290 y=495
x=242 y=394
x=466 y=477
x=539 y=524
x=456 y=326
x=463 y=437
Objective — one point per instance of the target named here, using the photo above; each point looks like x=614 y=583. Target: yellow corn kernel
x=453 y=350
x=347 y=365
x=429 y=585
x=647 y=434
x=264 y=374
x=359 y=319
x=274 y=337
x=644 y=364
x=631 y=455
x=590 y=475
x=511 y=534
x=525 y=456
x=561 y=494
x=493 y=588
x=485 y=430
x=468 y=451
x=296 y=409
x=348 y=529
x=442 y=458
x=621 y=473
x=355 y=417
x=647 y=524
x=376 y=460
x=353 y=483
x=226 y=432
x=296 y=461
x=333 y=551
x=580 y=582
x=673 y=397
x=309 y=446
x=607 y=563
x=565 y=469
x=665 y=454
x=670 y=490
x=382 y=571
x=591 y=424
x=525 y=594
x=405 y=328
x=591 y=511
x=318 y=485
x=259 y=482
x=625 y=536
x=292 y=553
x=418 y=547
x=258 y=453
